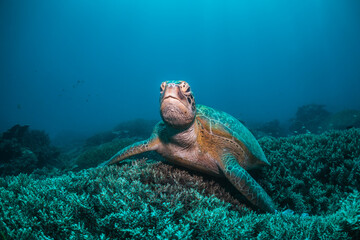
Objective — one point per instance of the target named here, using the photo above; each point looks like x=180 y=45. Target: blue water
x=88 y=65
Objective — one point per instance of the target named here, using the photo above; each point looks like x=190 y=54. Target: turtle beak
x=175 y=110
x=173 y=91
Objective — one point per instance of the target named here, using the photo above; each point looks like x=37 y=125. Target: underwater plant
x=100 y=138
x=93 y=156
x=140 y=128
x=309 y=173
x=39 y=143
x=272 y=128
x=308 y=119
x=316 y=176
x=342 y=120
x=145 y=199
x=23 y=150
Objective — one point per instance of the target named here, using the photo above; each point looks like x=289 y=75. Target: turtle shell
x=221 y=123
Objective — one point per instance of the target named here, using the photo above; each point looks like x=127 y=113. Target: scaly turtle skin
x=203 y=139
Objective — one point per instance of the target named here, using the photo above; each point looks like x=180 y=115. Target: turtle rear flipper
x=246 y=184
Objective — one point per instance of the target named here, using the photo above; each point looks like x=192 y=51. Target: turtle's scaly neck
x=183 y=137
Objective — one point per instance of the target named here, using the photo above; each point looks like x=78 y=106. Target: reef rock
x=343 y=120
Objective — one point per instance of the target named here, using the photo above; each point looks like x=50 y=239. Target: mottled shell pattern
x=231 y=129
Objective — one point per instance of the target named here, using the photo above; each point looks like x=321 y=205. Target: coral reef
x=308 y=119
x=314 y=118
x=272 y=128
x=140 y=128
x=23 y=150
x=93 y=156
x=342 y=120
x=139 y=200
x=16 y=132
x=309 y=173
x=317 y=176
x=100 y=138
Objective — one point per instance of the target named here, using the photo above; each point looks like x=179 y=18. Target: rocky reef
x=345 y=119
x=314 y=118
x=23 y=150
x=135 y=128
x=272 y=128
x=313 y=180
x=103 y=145
x=310 y=118
x=94 y=155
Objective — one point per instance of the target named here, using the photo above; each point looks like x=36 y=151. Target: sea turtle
x=203 y=139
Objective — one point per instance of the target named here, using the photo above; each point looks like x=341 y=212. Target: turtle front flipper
x=136 y=148
x=246 y=184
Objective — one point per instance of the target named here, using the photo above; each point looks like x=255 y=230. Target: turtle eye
x=162 y=86
x=188 y=90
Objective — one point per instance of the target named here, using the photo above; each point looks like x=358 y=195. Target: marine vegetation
x=140 y=128
x=147 y=199
x=272 y=128
x=100 y=138
x=23 y=150
x=92 y=156
x=311 y=173
x=345 y=119
x=314 y=118
x=309 y=118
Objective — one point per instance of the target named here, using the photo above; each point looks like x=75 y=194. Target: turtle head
x=177 y=104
